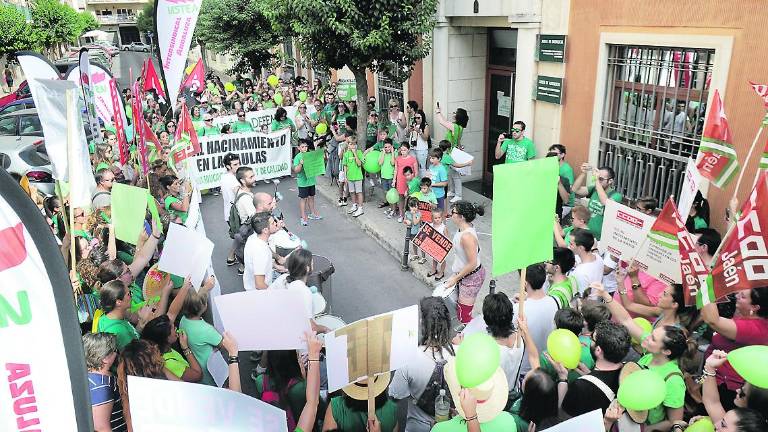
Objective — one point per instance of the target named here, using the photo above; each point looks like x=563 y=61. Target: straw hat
x=628 y=369
x=491 y=395
x=359 y=390
x=154 y=282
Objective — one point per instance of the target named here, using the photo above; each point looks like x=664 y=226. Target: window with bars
x=653 y=116
x=389 y=86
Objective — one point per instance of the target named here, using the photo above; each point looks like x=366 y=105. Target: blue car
x=17 y=105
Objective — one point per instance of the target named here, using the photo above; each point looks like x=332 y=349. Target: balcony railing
x=116 y=19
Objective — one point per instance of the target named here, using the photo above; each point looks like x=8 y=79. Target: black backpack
x=436 y=383
x=234 y=217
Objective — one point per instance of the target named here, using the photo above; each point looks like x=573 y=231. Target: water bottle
x=442 y=407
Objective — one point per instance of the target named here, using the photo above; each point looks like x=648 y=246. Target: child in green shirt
x=353 y=173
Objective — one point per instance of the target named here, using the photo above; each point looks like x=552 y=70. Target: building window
x=653 y=116
x=389 y=86
x=502 y=49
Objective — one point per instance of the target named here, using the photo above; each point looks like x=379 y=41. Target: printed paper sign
x=624 y=229
x=175 y=22
x=186 y=253
x=218 y=368
x=691 y=184
x=269 y=155
x=461 y=157
x=176 y=406
x=659 y=255
x=426 y=211
x=432 y=242
x=591 y=421
x=274 y=319
x=371 y=346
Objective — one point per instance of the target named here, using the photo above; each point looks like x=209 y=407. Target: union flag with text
x=717 y=161
x=743 y=260
x=186 y=142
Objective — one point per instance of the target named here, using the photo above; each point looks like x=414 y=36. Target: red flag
x=743 y=260
x=717 y=161
x=151 y=81
x=196 y=79
x=186 y=143
x=762 y=91
x=150 y=136
x=122 y=142
x=692 y=268
x=139 y=126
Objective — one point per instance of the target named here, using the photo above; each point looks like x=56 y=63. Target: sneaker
x=384 y=204
x=342 y=202
x=241 y=270
x=455 y=199
x=315 y=217
x=303 y=222
x=352 y=209
x=359 y=212
x=400 y=219
x=389 y=213
x=450 y=194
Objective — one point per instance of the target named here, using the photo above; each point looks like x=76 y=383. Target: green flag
x=152 y=204
x=524 y=196
x=314 y=163
x=129 y=207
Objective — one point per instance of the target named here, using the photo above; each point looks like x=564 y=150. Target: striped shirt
x=103 y=390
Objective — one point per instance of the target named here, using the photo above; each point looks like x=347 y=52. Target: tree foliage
x=55 y=24
x=87 y=22
x=146 y=19
x=16 y=34
x=238 y=28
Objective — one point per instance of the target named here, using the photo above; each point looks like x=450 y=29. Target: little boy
x=580 y=216
x=353 y=172
x=439 y=176
x=425 y=193
x=413 y=221
x=387 y=163
x=438 y=223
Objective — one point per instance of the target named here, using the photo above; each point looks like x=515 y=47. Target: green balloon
x=701 y=425
x=371 y=162
x=749 y=362
x=272 y=80
x=642 y=390
x=302 y=96
x=477 y=359
x=644 y=324
x=278 y=98
x=321 y=128
x=228 y=86
x=393 y=197
x=564 y=347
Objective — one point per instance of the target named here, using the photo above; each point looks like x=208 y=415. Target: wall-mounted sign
x=551 y=48
x=549 y=89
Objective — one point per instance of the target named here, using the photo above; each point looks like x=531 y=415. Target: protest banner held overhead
x=100 y=78
x=269 y=154
x=659 y=254
x=624 y=230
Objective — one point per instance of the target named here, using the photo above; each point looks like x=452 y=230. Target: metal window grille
x=389 y=86
x=653 y=116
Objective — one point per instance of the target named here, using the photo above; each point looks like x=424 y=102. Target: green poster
x=152 y=204
x=129 y=207
x=314 y=163
x=523 y=216
x=346 y=89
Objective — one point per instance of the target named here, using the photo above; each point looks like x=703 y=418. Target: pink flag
x=762 y=91
x=718 y=161
x=122 y=142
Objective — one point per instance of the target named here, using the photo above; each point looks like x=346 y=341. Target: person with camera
x=515 y=146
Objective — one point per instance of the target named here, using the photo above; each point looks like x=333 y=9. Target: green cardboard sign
x=524 y=196
x=314 y=163
x=129 y=207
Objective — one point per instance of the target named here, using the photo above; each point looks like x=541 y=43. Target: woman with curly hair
x=140 y=358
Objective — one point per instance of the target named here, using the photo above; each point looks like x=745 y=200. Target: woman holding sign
x=468 y=273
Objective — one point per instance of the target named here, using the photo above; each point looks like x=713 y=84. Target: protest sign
x=461 y=157
x=624 y=230
x=591 y=421
x=99 y=83
x=45 y=382
x=659 y=254
x=314 y=163
x=371 y=346
x=218 y=368
x=273 y=319
x=693 y=271
x=524 y=196
x=425 y=208
x=171 y=406
x=88 y=98
x=186 y=253
x=691 y=184
x=269 y=155
x=261 y=120
x=129 y=208
x=741 y=263
x=346 y=89
x=432 y=242
x=175 y=23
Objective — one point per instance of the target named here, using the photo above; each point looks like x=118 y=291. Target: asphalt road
x=127 y=62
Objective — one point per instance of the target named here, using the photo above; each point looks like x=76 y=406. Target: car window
x=5 y=160
x=11 y=108
x=30 y=125
x=8 y=126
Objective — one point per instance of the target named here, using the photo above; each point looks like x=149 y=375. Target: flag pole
x=759 y=131
x=70 y=95
x=749 y=156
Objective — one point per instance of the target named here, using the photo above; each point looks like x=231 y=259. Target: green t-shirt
x=208 y=131
x=388 y=167
x=241 y=126
x=567 y=171
x=503 y=422
x=414 y=185
x=447 y=160
x=675 y=397
x=597 y=209
x=121 y=328
x=341 y=119
x=454 y=136
x=380 y=145
x=354 y=172
x=563 y=291
x=355 y=421
x=202 y=339
x=285 y=124
x=520 y=151
x=297 y=394
x=101 y=166
x=175 y=362
x=370 y=135
x=269 y=104
x=429 y=197
x=301 y=177
x=586 y=358
x=699 y=223
x=170 y=199
x=567 y=234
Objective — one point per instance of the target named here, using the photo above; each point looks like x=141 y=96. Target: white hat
x=491 y=395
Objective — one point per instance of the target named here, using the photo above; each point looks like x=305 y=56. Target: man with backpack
x=229 y=187
x=243 y=208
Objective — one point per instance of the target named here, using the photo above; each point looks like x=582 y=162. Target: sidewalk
x=391 y=236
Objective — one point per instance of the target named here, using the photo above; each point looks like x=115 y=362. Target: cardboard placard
x=624 y=230
x=426 y=211
x=314 y=163
x=186 y=252
x=432 y=242
x=691 y=184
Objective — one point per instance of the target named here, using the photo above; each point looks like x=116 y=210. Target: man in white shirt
x=589 y=266
x=257 y=254
x=229 y=186
x=243 y=202
x=540 y=311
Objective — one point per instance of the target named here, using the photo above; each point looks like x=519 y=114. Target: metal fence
x=388 y=87
x=653 y=116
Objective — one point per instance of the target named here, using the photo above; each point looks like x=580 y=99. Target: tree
x=55 y=23
x=381 y=35
x=238 y=28
x=146 y=19
x=87 y=22
x=16 y=35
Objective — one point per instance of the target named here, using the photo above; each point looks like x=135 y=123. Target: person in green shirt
x=207 y=128
x=599 y=194
x=562 y=287
x=281 y=121
x=353 y=171
x=348 y=412
x=572 y=320
x=371 y=131
x=425 y=193
x=517 y=149
x=241 y=125
x=115 y=301
x=176 y=201
x=580 y=217
x=565 y=168
x=305 y=184
x=387 y=163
